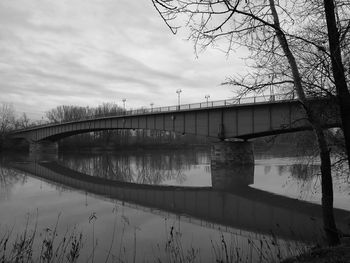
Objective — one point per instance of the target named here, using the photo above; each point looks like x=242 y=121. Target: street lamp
x=178 y=96
x=124 y=100
x=207 y=97
x=151 y=105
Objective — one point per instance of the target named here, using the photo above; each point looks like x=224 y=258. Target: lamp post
x=207 y=97
x=124 y=100
x=178 y=97
x=151 y=105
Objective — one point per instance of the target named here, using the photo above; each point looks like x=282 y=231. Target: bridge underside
x=57 y=137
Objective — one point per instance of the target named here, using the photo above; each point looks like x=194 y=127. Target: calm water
x=146 y=205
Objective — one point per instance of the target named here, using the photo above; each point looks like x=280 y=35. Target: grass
x=34 y=246
x=49 y=246
x=231 y=248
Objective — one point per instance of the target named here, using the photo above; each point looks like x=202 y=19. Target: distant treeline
x=70 y=113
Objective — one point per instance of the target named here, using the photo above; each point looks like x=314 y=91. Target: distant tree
x=23 y=122
x=68 y=113
x=7 y=118
x=282 y=37
x=7 y=122
x=107 y=109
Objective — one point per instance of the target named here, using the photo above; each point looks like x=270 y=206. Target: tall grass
x=34 y=246
x=229 y=248
x=49 y=246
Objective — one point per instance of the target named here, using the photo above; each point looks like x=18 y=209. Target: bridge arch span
x=223 y=122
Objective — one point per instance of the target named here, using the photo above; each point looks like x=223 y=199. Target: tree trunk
x=343 y=94
x=345 y=117
x=327 y=189
x=326 y=175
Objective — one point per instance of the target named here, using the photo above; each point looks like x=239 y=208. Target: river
x=168 y=205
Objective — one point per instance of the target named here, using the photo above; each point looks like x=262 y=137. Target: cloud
x=89 y=52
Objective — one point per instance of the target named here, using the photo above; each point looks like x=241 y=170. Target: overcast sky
x=86 y=52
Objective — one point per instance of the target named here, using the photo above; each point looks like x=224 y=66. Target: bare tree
x=286 y=50
x=7 y=118
x=108 y=109
x=68 y=113
x=338 y=26
x=7 y=122
x=23 y=122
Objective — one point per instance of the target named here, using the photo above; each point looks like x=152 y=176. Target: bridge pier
x=232 y=165
x=42 y=150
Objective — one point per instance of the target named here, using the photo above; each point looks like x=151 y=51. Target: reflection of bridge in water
x=243 y=209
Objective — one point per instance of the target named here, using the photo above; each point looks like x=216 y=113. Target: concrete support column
x=232 y=165
x=43 y=150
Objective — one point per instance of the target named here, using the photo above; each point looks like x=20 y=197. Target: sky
x=87 y=52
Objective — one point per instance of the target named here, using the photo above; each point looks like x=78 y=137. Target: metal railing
x=182 y=107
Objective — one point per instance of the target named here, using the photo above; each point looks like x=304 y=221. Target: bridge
x=237 y=118
x=241 y=209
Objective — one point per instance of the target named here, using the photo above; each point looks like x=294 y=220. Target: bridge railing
x=210 y=104
x=192 y=106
